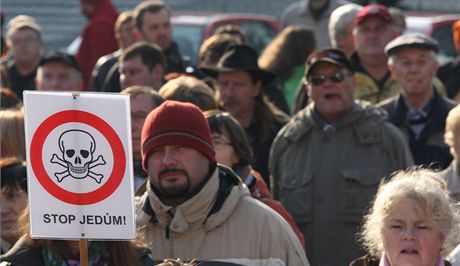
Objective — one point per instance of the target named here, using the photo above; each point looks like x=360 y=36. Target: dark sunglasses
x=336 y=77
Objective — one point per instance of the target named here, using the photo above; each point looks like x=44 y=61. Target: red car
x=190 y=29
x=439 y=27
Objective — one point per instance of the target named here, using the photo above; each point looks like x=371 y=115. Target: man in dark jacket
x=152 y=22
x=419 y=110
x=241 y=86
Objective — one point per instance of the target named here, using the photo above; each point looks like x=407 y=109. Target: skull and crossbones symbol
x=77 y=148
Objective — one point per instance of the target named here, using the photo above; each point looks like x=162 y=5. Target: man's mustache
x=172 y=170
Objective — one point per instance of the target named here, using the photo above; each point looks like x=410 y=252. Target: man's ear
x=258 y=88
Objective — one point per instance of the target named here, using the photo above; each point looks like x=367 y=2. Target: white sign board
x=80 y=177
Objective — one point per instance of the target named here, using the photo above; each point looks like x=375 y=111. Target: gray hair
x=431 y=195
x=394 y=57
x=340 y=18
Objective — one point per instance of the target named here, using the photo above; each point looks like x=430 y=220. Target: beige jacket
x=222 y=223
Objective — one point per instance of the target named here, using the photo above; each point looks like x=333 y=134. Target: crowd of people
x=338 y=145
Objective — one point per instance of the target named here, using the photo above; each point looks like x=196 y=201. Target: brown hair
x=213 y=48
x=138 y=90
x=13 y=174
x=290 y=48
x=189 y=89
x=219 y=122
x=9 y=99
x=150 y=6
x=233 y=30
x=12 y=133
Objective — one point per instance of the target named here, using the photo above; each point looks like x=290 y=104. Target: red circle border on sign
x=103 y=127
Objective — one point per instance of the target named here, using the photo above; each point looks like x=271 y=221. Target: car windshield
x=188 y=38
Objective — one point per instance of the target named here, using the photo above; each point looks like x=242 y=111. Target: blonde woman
x=412 y=222
x=452 y=138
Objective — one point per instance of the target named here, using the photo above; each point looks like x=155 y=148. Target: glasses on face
x=336 y=77
x=218 y=141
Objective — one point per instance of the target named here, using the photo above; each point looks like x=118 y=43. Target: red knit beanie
x=176 y=123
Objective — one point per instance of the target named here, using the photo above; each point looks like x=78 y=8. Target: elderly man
x=241 y=84
x=341 y=27
x=143 y=100
x=142 y=64
x=419 y=110
x=196 y=209
x=24 y=38
x=152 y=22
x=373 y=29
x=327 y=162
x=59 y=71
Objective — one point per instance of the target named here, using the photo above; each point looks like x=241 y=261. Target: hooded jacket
x=221 y=225
x=327 y=178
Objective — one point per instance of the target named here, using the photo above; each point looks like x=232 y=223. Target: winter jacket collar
x=209 y=208
x=439 y=110
x=303 y=122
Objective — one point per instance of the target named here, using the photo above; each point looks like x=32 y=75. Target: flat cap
x=414 y=40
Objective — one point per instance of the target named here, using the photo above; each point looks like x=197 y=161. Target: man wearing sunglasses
x=327 y=162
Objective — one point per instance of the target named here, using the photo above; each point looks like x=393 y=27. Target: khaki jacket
x=367 y=89
x=222 y=223
x=326 y=180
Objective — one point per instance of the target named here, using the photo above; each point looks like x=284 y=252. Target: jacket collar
x=210 y=207
x=439 y=110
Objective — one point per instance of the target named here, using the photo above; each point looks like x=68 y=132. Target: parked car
x=190 y=29
x=439 y=27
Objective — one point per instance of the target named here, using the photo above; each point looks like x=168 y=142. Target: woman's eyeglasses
x=336 y=77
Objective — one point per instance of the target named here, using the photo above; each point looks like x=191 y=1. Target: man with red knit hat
x=194 y=209
x=98 y=37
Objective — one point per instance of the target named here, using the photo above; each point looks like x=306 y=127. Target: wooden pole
x=83 y=252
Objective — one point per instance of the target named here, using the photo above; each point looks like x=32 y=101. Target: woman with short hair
x=412 y=222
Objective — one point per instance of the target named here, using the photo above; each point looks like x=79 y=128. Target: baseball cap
x=371 y=11
x=56 y=56
x=330 y=55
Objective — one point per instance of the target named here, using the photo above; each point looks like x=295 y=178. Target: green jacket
x=326 y=180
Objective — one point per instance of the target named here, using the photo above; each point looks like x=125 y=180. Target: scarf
x=97 y=256
x=384 y=261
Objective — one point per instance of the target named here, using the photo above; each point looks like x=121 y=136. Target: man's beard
x=174 y=191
